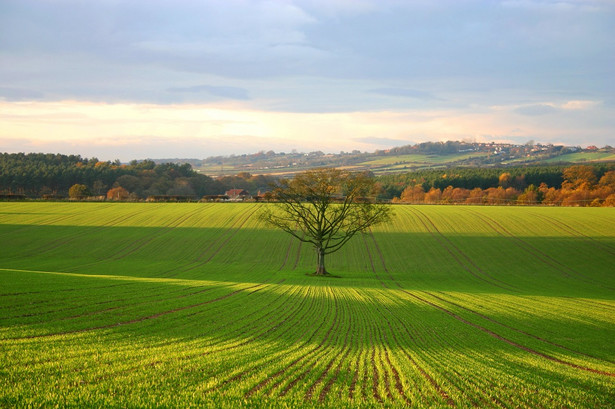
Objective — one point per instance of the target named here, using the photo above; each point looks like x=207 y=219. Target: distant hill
x=428 y=155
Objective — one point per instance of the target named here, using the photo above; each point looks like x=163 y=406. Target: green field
x=581 y=157
x=134 y=305
x=419 y=160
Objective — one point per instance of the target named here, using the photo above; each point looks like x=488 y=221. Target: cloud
x=218 y=91
x=552 y=108
x=331 y=62
x=536 y=110
x=580 y=105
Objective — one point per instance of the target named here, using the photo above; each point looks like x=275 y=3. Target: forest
x=576 y=185
x=51 y=176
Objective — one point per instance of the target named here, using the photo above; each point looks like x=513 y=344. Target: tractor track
x=458 y=255
x=565 y=270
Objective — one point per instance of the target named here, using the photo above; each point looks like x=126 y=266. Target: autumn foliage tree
x=325 y=208
x=118 y=193
x=78 y=191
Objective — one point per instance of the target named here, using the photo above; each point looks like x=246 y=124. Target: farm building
x=237 y=195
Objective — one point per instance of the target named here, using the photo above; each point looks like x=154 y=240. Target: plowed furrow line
x=385 y=373
x=325 y=390
x=136 y=320
x=346 y=318
x=537 y=253
x=449 y=246
x=16 y=231
x=465 y=256
x=234 y=229
x=290 y=244
x=88 y=232
x=508 y=341
x=156 y=295
x=363 y=326
x=570 y=229
x=238 y=332
x=295 y=381
x=298 y=255
x=182 y=358
x=67 y=309
x=355 y=377
x=371 y=261
x=415 y=364
x=305 y=369
x=516 y=329
x=61 y=290
x=228 y=234
x=277 y=358
x=286 y=369
x=46 y=247
x=442 y=393
x=169 y=227
x=253 y=323
x=398 y=385
x=445 y=396
x=261 y=334
x=310 y=391
x=593 y=303
x=375 y=373
x=396 y=378
x=266 y=381
x=365 y=380
x=177 y=359
x=380 y=256
x=332 y=329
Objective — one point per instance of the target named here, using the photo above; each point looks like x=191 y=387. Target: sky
x=136 y=79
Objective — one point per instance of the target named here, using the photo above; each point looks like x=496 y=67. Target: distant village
x=290 y=162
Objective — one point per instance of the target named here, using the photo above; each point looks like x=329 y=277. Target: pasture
x=145 y=305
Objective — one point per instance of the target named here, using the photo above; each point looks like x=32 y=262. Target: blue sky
x=138 y=79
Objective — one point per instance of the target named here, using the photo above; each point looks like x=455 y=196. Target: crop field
x=581 y=157
x=146 y=305
x=421 y=159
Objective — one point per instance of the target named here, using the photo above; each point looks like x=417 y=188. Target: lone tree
x=326 y=208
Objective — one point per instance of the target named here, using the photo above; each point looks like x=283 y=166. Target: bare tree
x=326 y=208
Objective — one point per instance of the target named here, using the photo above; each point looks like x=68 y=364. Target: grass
x=199 y=305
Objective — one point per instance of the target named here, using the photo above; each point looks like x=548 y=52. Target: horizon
x=367 y=152
x=163 y=79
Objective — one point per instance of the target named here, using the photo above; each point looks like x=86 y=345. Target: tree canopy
x=326 y=208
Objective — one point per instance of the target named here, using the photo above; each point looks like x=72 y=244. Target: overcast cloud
x=501 y=70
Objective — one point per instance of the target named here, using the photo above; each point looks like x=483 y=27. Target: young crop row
x=151 y=305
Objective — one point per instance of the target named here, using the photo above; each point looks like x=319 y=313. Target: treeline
x=579 y=185
x=52 y=175
x=38 y=175
x=473 y=177
x=433 y=148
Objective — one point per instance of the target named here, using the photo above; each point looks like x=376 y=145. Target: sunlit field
x=132 y=305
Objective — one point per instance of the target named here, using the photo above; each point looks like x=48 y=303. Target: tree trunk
x=321 y=271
